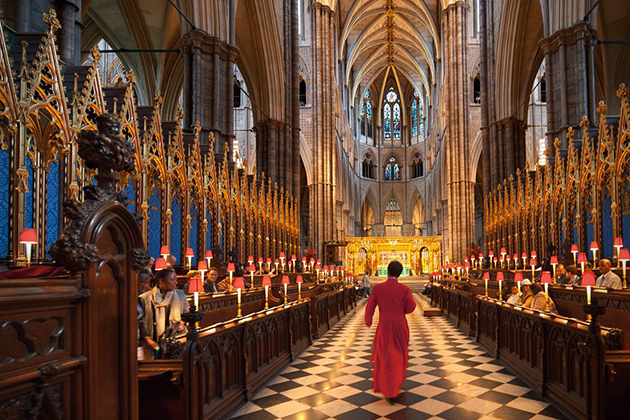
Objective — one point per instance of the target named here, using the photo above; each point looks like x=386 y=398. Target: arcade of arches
x=244 y=135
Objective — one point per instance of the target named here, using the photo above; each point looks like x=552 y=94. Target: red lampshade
x=202 y=266
x=318 y=266
x=508 y=256
x=268 y=260
x=624 y=254
x=467 y=265
x=230 y=267
x=239 y=283
x=466 y=259
x=594 y=245
x=282 y=255
x=28 y=236
x=515 y=256
x=208 y=254
x=534 y=255
x=276 y=261
x=532 y=262
x=491 y=254
x=588 y=279
x=574 y=248
x=582 y=257
x=160 y=264
x=486 y=276
x=250 y=259
x=480 y=255
x=303 y=260
x=618 y=242
x=500 y=276
x=319 y=261
x=325 y=268
x=503 y=251
x=495 y=259
x=165 y=250
x=260 y=260
x=524 y=255
x=189 y=252
x=285 y=280
x=546 y=277
x=518 y=276
x=293 y=257
x=299 y=279
x=195 y=285
x=251 y=268
x=553 y=260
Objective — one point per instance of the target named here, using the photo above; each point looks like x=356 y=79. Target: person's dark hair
x=394 y=269
x=572 y=269
x=535 y=288
x=145 y=272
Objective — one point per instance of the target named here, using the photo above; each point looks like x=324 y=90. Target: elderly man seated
x=162 y=308
x=607 y=278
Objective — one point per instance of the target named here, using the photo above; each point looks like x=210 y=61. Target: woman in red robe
x=391 y=342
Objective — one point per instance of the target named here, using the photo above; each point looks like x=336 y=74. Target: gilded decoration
x=419 y=254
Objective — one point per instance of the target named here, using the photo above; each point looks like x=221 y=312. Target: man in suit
x=608 y=278
x=391 y=342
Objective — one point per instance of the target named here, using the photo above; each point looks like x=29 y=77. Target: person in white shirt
x=513 y=299
x=608 y=278
x=366 y=284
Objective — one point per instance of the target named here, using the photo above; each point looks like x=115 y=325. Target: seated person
x=145 y=277
x=561 y=274
x=514 y=298
x=608 y=278
x=527 y=296
x=163 y=306
x=540 y=299
x=572 y=278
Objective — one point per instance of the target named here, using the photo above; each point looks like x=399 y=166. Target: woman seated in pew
x=527 y=297
x=162 y=308
x=541 y=300
x=514 y=298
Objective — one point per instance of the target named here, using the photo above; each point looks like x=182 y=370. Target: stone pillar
x=321 y=191
x=209 y=86
x=460 y=187
x=567 y=58
x=69 y=35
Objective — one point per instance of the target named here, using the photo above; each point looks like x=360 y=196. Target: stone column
x=569 y=92
x=460 y=188
x=321 y=191
x=70 y=33
x=208 y=86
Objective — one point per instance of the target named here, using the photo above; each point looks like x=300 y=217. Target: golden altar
x=418 y=254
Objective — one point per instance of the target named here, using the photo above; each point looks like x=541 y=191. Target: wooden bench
x=425 y=306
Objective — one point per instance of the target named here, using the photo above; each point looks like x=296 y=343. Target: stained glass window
x=193 y=232
x=414 y=118
x=387 y=121
x=391 y=116
x=52 y=204
x=392 y=170
x=4 y=203
x=176 y=228
x=420 y=117
x=366 y=115
x=362 y=113
x=154 y=223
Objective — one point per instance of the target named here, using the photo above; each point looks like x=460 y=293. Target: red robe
x=391 y=342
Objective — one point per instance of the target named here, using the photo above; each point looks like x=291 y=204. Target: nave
x=449 y=377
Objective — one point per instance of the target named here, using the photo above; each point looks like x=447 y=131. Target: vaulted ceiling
x=378 y=37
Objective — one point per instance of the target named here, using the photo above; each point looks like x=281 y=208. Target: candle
x=285 y=282
x=299 y=283
x=486 y=277
x=554 y=263
x=574 y=251
x=588 y=280
x=28 y=237
x=266 y=283
x=594 y=248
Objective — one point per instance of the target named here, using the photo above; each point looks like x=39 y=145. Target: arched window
x=391 y=116
x=418 y=166
x=237 y=95
x=392 y=170
x=414 y=117
x=366 y=115
x=302 y=92
x=543 y=90
x=420 y=117
x=477 y=90
x=368 y=167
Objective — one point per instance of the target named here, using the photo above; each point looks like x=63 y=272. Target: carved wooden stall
x=222 y=365
x=577 y=365
x=582 y=196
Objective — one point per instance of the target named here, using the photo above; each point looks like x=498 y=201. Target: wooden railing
x=223 y=365
x=576 y=365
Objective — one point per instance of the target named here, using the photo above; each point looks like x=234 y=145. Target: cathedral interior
x=261 y=162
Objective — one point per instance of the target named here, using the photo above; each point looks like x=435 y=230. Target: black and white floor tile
x=449 y=378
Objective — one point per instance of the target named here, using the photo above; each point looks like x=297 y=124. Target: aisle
x=449 y=377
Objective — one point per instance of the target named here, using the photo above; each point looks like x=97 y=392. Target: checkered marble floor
x=449 y=377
